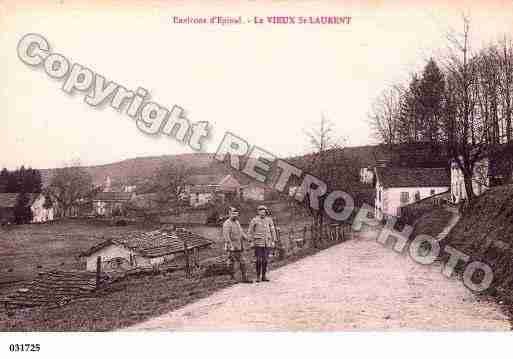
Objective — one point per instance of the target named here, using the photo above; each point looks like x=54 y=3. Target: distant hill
x=138 y=168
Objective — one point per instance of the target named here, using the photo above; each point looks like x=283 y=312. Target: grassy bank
x=485 y=233
x=432 y=223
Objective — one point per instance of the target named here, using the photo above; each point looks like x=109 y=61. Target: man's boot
x=258 y=269
x=264 y=272
x=244 y=275
x=231 y=268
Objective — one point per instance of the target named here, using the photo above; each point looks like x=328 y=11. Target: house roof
x=146 y=200
x=391 y=177
x=8 y=200
x=211 y=179
x=156 y=243
x=113 y=196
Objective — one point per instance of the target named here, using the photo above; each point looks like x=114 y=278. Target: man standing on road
x=260 y=234
x=234 y=243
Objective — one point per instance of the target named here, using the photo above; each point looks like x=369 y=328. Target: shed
x=143 y=249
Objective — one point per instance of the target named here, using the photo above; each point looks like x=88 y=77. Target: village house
x=147 y=249
x=397 y=187
x=493 y=169
x=480 y=180
x=111 y=203
x=202 y=189
x=255 y=191
x=37 y=205
x=413 y=155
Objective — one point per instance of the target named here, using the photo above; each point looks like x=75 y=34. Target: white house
x=108 y=203
x=146 y=249
x=493 y=169
x=41 y=212
x=397 y=187
x=366 y=175
x=204 y=188
x=36 y=201
x=480 y=180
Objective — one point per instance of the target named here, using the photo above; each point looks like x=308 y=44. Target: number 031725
x=24 y=347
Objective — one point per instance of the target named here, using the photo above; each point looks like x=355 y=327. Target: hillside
x=138 y=168
x=485 y=233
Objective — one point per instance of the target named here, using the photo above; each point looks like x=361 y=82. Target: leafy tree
x=22 y=211
x=430 y=97
x=4 y=179
x=20 y=180
x=70 y=185
x=169 y=184
x=48 y=201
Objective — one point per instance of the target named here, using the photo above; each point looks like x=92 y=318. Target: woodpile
x=53 y=288
x=216 y=266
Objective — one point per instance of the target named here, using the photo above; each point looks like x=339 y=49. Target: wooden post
x=196 y=257
x=187 y=263
x=291 y=240
x=98 y=270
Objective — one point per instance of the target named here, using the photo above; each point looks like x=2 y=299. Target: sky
x=266 y=83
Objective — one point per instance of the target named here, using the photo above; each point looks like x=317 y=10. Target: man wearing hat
x=234 y=239
x=260 y=233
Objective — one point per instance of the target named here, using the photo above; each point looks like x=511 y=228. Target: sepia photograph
x=288 y=176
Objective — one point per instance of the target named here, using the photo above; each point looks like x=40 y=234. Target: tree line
x=462 y=101
x=25 y=180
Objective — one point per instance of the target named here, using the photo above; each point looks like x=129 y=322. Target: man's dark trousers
x=261 y=255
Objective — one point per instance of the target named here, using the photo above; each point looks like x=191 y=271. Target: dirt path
x=357 y=285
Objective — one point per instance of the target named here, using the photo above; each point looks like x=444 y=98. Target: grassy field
x=28 y=249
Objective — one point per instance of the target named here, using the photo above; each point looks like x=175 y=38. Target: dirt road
x=357 y=285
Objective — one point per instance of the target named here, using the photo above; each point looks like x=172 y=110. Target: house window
x=405 y=197
x=417 y=196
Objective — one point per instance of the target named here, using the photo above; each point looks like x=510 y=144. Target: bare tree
x=466 y=132
x=505 y=63
x=384 y=115
x=328 y=163
x=169 y=184
x=69 y=186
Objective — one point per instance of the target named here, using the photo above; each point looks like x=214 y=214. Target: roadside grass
x=432 y=223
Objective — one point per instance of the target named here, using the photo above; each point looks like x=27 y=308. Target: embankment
x=485 y=233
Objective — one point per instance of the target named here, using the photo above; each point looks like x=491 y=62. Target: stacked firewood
x=216 y=266
x=53 y=288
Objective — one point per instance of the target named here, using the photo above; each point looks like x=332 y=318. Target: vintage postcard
x=255 y=166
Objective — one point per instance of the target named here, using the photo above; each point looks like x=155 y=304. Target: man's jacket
x=260 y=232
x=233 y=235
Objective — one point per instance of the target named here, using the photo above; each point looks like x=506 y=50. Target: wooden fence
x=294 y=239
